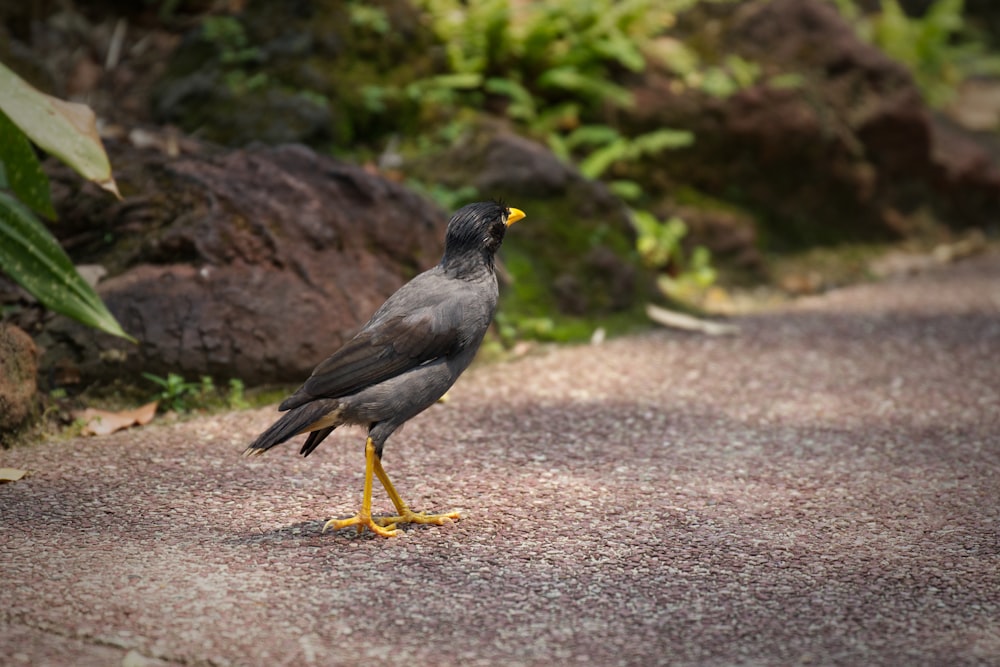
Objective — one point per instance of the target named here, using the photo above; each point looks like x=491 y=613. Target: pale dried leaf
x=103 y=422
x=12 y=474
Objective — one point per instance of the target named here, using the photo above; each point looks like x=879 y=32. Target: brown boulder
x=251 y=264
x=18 y=366
x=850 y=152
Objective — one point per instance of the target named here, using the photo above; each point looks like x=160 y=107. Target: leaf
x=786 y=81
x=459 y=81
x=157 y=379
x=558 y=146
x=522 y=104
x=102 y=422
x=597 y=87
x=63 y=129
x=744 y=72
x=617 y=46
x=717 y=82
x=627 y=190
x=32 y=257
x=662 y=139
x=12 y=474
x=592 y=134
x=673 y=54
x=597 y=162
x=20 y=166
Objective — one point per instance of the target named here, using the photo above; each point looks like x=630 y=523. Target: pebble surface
x=822 y=489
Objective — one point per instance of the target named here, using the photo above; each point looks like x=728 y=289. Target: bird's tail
x=322 y=415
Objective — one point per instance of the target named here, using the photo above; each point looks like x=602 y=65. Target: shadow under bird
x=404 y=359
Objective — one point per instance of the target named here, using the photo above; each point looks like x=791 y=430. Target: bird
x=403 y=360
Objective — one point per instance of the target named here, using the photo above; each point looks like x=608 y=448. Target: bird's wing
x=386 y=347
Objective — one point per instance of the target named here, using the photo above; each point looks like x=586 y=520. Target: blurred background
x=285 y=166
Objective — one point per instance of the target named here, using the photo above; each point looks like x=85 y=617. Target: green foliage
x=692 y=282
x=658 y=242
x=62 y=129
x=723 y=79
x=228 y=36
x=562 y=328
x=366 y=17
x=787 y=80
x=659 y=246
x=542 y=55
x=612 y=147
x=20 y=171
x=734 y=75
x=28 y=252
x=180 y=395
x=241 y=82
x=236 y=398
x=521 y=105
x=447 y=198
x=924 y=44
x=937 y=48
x=555 y=69
x=176 y=393
x=556 y=64
x=626 y=190
x=32 y=257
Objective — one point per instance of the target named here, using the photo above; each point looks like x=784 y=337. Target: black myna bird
x=411 y=351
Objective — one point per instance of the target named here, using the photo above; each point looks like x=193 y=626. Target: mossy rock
x=18 y=367
x=313 y=73
x=572 y=262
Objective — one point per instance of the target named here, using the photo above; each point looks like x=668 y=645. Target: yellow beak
x=515 y=215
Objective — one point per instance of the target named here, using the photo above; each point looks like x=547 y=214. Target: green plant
x=659 y=245
x=610 y=146
x=29 y=253
x=367 y=17
x=227 y=34
x=446 y=198
x=560 y=56
x=236 y=398
x=924 y=44
x=176 y=393
x=937 y=47
x=181 y=395
x=228 y=37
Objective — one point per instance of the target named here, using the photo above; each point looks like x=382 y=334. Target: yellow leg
x=363 y=519
x=406 y=515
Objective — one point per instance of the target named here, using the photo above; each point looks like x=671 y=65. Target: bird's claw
x=417 y=517
x=362 y=522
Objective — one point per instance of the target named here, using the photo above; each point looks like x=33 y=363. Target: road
x=823 y=489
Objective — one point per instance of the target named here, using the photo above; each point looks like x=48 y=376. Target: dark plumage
x=405 y=358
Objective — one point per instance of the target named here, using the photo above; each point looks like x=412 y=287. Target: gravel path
x=823 y=488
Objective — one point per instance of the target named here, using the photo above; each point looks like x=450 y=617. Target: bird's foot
x=407 y=516
x=362 y=521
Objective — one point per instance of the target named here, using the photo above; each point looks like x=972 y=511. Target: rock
x=850 y=153
x=251 y=264
x=201 y=100
x=729 y=235
x=18 y=367
x=575 y=252
x=297 y=72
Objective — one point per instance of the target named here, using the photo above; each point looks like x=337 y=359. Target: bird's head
x=477 y=230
